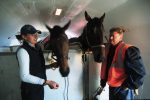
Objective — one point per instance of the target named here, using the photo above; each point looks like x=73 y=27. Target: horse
x=58 y=43
x=91 y=39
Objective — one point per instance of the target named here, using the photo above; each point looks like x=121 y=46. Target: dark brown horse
x=59 y=45
x=92 y=37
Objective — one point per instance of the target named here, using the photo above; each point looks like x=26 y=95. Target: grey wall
x=9 y=77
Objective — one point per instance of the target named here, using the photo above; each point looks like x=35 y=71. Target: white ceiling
x=16 y=13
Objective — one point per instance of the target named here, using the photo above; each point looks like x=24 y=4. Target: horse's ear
x=48 y=27
x=87 y=17
x=67 y=25
x=102 y=17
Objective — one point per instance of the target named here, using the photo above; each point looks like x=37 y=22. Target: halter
x=53 y=54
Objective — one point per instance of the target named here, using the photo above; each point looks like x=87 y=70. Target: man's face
x=115 y=38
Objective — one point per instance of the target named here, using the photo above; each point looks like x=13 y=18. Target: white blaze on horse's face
x=60 y=47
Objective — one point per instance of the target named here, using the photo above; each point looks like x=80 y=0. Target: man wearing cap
x=32 y=66
x=123 y=68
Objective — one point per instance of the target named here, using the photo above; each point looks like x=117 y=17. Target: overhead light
x=58 y=12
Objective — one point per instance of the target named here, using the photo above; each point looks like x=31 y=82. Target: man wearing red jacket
x=123 y=68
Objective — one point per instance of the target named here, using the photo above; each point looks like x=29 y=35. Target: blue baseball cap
x=28 y=29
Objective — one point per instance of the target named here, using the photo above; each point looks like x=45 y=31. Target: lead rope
x=67 y=86
x=66 y=79
x=85 y=60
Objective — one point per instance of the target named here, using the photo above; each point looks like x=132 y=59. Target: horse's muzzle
x=64 y=72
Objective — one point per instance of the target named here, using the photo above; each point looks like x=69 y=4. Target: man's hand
x=97 y=92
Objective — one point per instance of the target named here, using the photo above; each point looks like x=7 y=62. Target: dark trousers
x=119 y=93
x=32 y=92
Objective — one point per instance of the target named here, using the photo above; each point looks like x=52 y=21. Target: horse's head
x=60 y=47
x=93 y=34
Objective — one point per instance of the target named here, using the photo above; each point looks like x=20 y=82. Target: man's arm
x=134 y=68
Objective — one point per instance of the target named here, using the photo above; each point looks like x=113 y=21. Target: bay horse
x=58 y=43
x=92 y=37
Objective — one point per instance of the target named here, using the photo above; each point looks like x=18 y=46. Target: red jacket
x=116 y=73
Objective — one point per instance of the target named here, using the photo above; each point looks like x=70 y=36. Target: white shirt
x=23 y=59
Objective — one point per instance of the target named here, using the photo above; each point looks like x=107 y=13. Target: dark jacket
x=37 y=62
x=134 y=67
